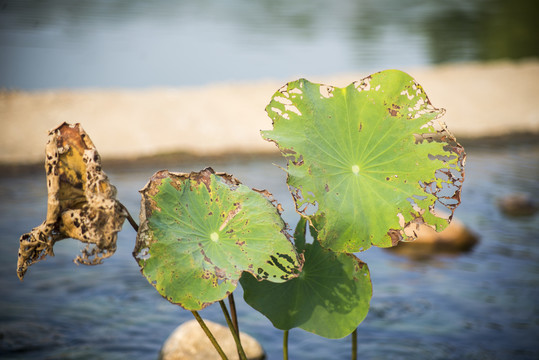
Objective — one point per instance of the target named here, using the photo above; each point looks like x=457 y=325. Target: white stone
x=189 y=342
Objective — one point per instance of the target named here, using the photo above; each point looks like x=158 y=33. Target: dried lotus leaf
x=81 y=202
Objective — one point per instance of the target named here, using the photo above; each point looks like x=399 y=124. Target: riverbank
x=482 y=101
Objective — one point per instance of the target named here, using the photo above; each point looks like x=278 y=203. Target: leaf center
x=214 y=236
x=355 y=169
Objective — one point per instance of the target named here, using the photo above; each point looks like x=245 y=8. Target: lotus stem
x=132 y=222
x=354 y=344
x=285 y=345
x=209 y=335
x=233 y=313
x=235 y=334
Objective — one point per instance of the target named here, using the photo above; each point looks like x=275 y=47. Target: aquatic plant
x=366 y=165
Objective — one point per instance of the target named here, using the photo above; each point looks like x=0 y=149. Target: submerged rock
x=518 y=205
x=189 y=342
x=455 y=239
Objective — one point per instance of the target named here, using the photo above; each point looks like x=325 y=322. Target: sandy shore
x=481 y=100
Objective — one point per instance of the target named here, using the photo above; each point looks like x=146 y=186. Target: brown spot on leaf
x=203 y=177
x=299 y=161
x=394 y=109
x=206 y=258
x=232 y=213
x=395 y=236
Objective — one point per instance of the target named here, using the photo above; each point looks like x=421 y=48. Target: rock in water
x=189 y=342
x=455 y=239
x=518 y=205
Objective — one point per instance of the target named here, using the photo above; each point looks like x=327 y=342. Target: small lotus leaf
x=369 y=162
x=330 y=298
x=199 y=231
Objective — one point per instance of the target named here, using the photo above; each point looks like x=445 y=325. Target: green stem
x=209 y=335
x=285 y=345
x=235 y=335
x=233 y=313
x=354 y=345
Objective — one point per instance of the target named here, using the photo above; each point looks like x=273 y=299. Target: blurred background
x=476 y=304
x=55 y=44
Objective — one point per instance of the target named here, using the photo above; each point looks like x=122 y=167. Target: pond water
x=478 y=305
x=136 y=43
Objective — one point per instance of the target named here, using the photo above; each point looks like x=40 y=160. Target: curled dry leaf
x=81 y=202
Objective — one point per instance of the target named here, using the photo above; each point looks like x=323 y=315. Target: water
x=138 y=44
x=479 y=305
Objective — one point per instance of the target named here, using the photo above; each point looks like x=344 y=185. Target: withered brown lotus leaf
x=81 y=202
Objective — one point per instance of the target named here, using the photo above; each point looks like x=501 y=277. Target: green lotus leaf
x=330 y=297
x=200 y=231
x=369 y=162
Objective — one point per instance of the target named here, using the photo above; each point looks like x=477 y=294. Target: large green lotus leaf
x=200 y=231
x=330 y=297
x=369 y=162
